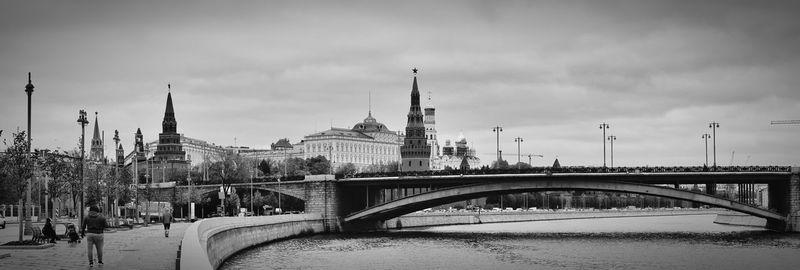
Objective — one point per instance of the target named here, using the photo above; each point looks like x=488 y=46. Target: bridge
x=362 y=201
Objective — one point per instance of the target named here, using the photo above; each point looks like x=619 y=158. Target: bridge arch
x=447 y=195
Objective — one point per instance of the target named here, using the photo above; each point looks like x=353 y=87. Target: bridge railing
x=577 y=169
x=545 y=170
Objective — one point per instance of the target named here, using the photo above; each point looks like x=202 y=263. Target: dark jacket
x=48 y=230
x=93 y=223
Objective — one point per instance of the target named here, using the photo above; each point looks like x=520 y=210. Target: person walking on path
x=93 y=226
x=167 y=219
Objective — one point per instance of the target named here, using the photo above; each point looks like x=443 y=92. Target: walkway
x=139 y=248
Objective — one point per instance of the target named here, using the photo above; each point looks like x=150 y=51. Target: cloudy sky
x=547 y=71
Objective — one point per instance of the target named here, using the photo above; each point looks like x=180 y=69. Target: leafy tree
x=264 y=167
x=501 y=165
x=347 y=169
x=18 y=164
x=318 y=165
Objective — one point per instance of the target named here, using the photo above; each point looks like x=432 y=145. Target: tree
x=501 y=165
x=264 y=167
x=318 y=165
x=18 y=164
x=348 y=169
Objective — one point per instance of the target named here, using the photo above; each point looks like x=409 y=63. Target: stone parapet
x=437 y=219
x=207 y=243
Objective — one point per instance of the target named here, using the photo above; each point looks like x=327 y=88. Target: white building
x=367 y=143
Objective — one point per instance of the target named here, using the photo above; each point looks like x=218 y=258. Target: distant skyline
x=547 y=71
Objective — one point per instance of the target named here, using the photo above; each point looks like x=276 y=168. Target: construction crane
x=785 y=122
x=530 y=158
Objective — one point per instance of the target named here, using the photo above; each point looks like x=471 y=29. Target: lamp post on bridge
x=706 y=136
x=612 y=138
x=498 y=129
x=604 y=126
x=518 y=140
x=713 y=126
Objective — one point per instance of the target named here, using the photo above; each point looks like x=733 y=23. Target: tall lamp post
x=706 y=136
x=116 y=168
x=29 y=91
x=82 y=122
x=612 y=138
x=604 y=126
x=518 y=140
x=498 y=129
x=713 y=126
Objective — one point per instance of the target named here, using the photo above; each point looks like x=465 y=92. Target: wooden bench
x=37 y=237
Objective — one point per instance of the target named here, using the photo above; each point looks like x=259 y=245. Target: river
x=665 y=242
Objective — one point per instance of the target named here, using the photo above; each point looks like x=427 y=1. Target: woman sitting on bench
x=49 y=232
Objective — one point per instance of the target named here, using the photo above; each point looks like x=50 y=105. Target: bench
x=37 y=237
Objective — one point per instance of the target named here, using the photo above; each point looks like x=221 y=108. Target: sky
x=248 y=73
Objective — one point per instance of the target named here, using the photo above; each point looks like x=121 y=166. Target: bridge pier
x=322 y=196
x=785 y=198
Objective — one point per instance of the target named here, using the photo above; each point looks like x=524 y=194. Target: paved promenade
x=139 y=248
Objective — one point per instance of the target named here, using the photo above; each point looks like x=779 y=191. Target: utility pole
x=604 y=126
x=612 y=138
x=518 y=140
x=713 y=126
x=83 y=122
x=705 y=137
x=498 y=129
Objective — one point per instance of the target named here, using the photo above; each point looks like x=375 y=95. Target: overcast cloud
x=547 y=71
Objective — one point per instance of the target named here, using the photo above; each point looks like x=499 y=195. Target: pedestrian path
x=139 y=248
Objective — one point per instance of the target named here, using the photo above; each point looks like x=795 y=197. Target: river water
x=667 y=242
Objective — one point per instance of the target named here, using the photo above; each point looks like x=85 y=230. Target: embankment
x=459 y=218
x=207 y=243
x=739 y=219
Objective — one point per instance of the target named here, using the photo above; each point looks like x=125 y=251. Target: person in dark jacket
x=167 y=219
x=93 y=226
x=49 y=232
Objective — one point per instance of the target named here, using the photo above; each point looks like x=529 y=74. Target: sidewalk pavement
x=138 y=248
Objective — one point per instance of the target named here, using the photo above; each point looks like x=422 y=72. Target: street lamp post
x=518 y=140
x=604 y=126
x=83 y=122
x=612 y=138
x=28 y=224
x=116 y=168
x=706 y=136
x=498 y=129
x=714 y=126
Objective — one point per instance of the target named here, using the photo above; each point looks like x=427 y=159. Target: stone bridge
x=358 y=203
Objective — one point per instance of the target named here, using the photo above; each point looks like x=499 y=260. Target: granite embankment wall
x=458 y=218
x=740 y=219
x=207 y=243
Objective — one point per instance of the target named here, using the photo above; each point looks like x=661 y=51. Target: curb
x=4 y=255
x=48 y=245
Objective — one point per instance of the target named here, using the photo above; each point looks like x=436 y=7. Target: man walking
x=93 y=226
x=167 y=218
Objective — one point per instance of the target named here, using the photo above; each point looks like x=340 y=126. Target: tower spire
x=370 y=103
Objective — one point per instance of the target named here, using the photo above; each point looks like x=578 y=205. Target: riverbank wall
x=208 y=242
x=739 y=219
x=461 y=218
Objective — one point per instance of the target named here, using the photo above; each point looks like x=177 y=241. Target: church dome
x=461 y=138
x=370 y=125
